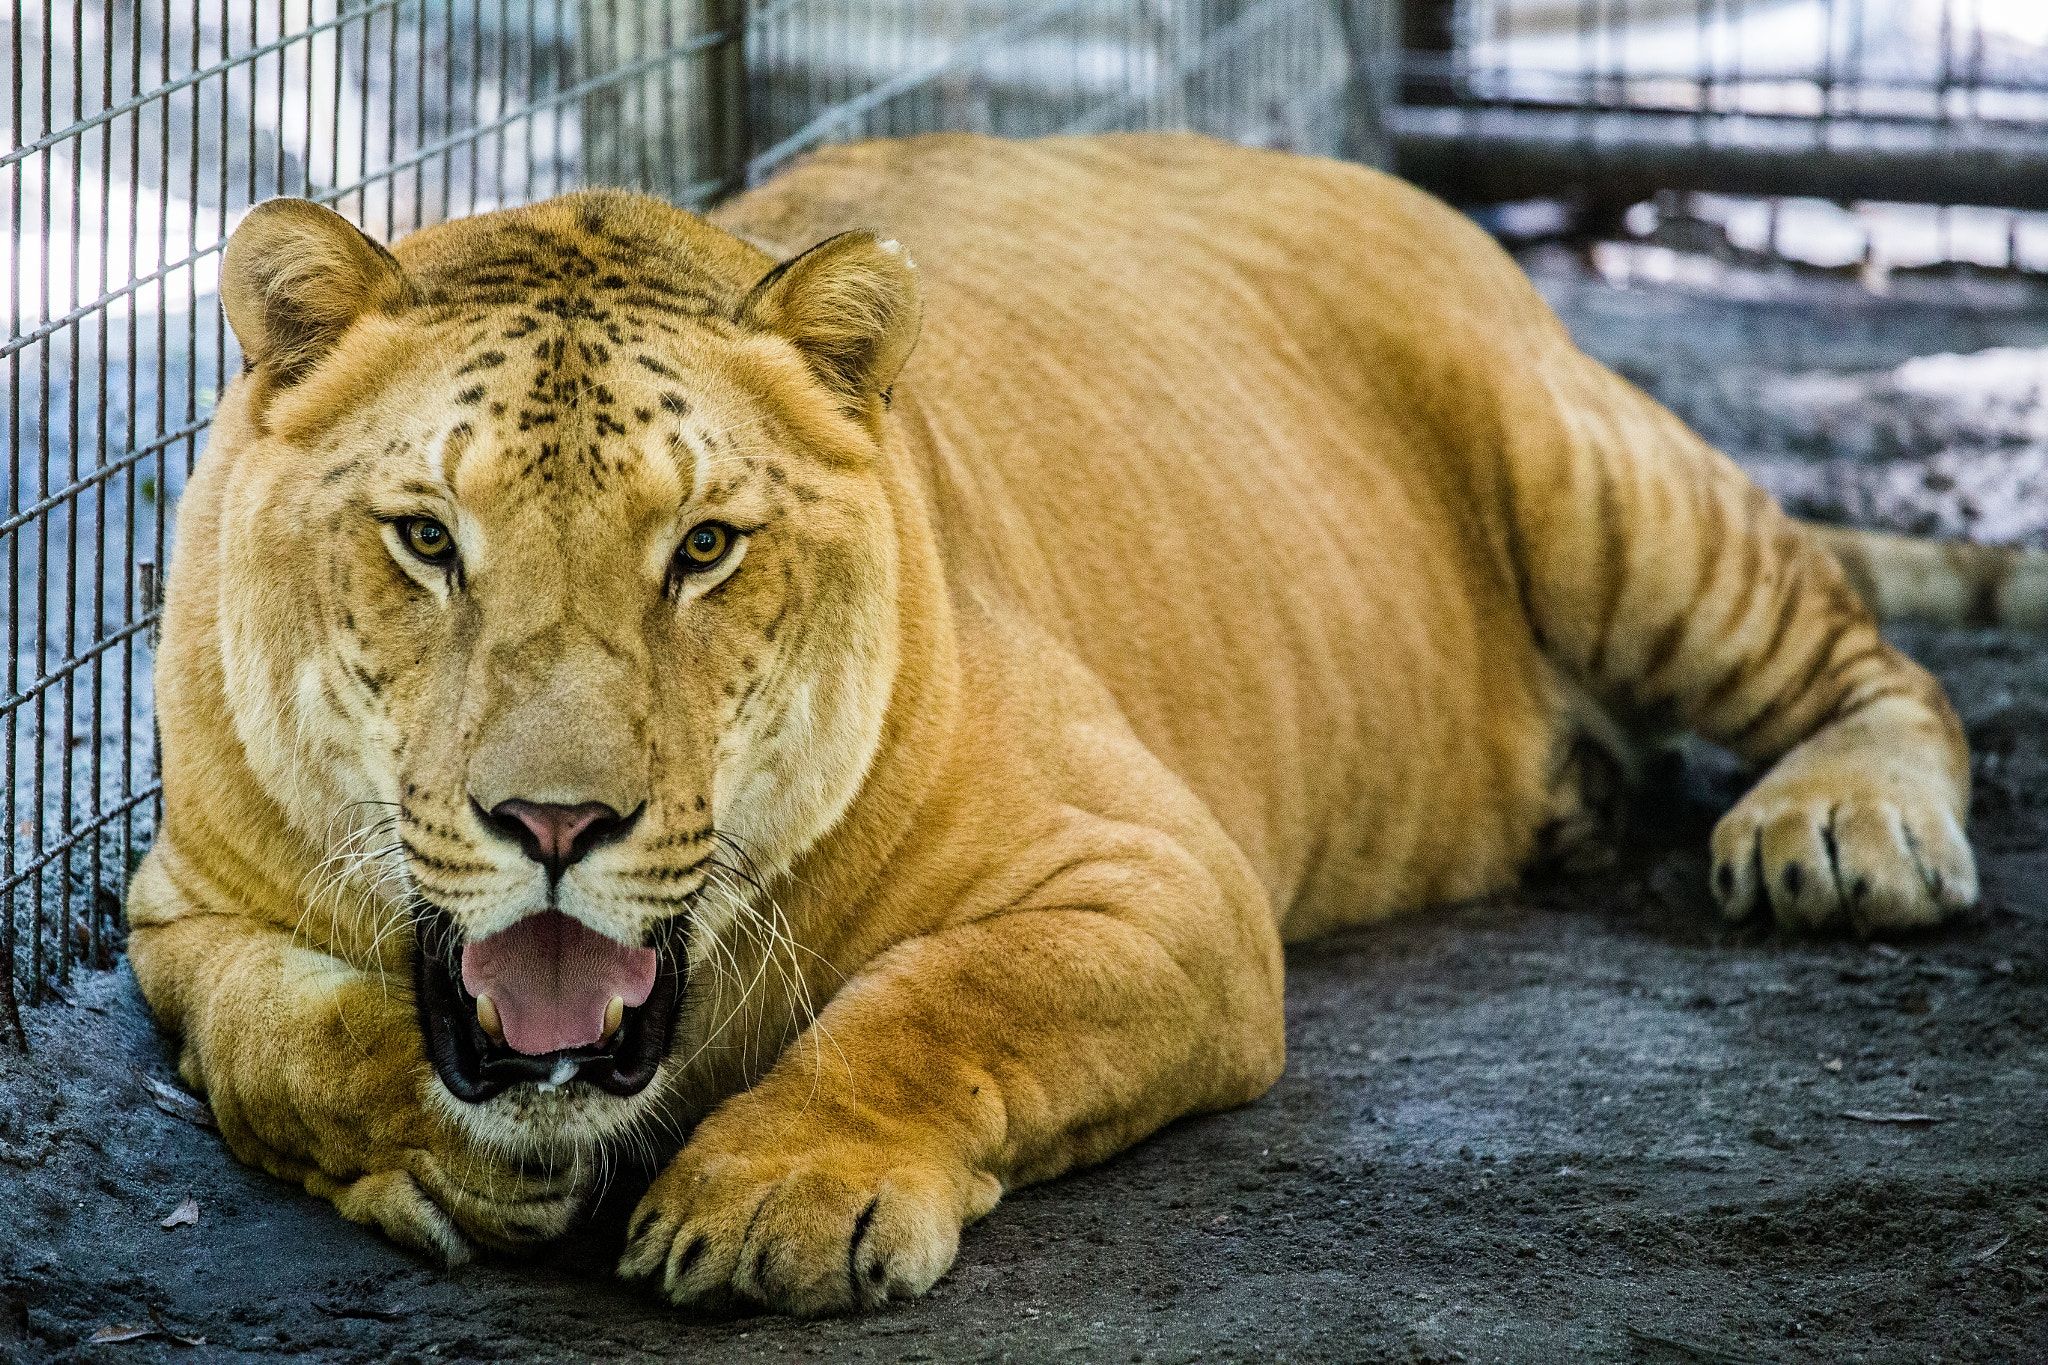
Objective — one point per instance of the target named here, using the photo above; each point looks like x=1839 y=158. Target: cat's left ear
x=850 y=304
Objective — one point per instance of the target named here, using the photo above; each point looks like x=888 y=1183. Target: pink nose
x=555 y=836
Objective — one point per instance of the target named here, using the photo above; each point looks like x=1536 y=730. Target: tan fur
x=1245 y=551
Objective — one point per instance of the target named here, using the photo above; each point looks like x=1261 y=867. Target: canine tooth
x=487 y=1016
x=614 y=1015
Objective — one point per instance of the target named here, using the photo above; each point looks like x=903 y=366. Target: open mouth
x=545 y=1002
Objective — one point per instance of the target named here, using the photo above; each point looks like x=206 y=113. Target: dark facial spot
x=675 y=403
x=473 y=394
x=488 y=360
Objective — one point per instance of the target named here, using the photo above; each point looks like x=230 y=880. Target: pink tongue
x=551 y=979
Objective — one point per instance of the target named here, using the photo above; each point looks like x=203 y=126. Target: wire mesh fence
x=140 y=130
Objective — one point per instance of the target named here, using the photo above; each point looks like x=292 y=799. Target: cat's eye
x=705 y=547
x=428 y=540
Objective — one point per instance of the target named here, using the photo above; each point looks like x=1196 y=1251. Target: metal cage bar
x=1920 y=101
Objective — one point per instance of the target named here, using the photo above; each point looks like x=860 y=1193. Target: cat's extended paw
x=422 y=1182
x=441 y=1211
x=1822 y=850
x=802 y=1229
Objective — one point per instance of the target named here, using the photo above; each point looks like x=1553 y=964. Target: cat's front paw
x=1838 y=845
x=802 y=1224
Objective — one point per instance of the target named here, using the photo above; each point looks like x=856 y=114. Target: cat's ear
x=850 y=304
x=295 y=277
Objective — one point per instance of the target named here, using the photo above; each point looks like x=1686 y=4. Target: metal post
x=1372 y=44
x=1425 y=34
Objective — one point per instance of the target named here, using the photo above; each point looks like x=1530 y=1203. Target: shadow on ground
x=1589 y=1120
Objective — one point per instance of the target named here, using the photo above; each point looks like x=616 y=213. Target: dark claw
x=1724 y=880
x=853 y=1245
x=690 y=1255
x=1794 y=875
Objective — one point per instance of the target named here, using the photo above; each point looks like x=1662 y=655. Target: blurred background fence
x=1850 y=133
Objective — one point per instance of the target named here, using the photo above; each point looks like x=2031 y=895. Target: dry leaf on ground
x=179 y=1104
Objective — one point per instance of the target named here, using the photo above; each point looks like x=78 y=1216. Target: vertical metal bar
x=10 y=926
x=163 y=301
x=192 y=156
x=529 y=69
x=44 y=165
x=102 y=930
x=131 y=365
x=476 y=72
x=337 y=64
x=1824 y=76
x=363 y=121
x=255 y=99
x=1945 y=73
x=391 y=120
x=1853 y=58
x=503 y=86
x=306 y=46
x=418 y=214
x=283 y=55
x=447 y=59
x=564 y=71
x=71 y=945
x=1370 y=35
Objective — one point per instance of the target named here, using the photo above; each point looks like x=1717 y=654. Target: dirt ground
x=1584 y=1121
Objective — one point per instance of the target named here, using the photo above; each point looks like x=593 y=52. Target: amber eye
x=707 y=544
x=428 y=539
